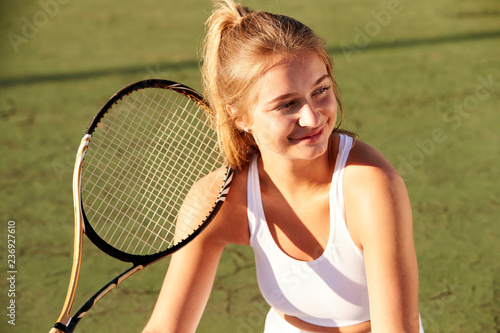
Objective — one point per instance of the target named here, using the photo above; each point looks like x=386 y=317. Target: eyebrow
x=286 y=96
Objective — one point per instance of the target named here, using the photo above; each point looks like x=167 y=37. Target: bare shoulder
x=375 y=195
x=230 y=224
x=368 y=170
x=366 y=160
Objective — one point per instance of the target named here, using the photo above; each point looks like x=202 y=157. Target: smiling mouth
x=311 y=136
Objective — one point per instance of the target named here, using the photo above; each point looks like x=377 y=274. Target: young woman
x=327 y=216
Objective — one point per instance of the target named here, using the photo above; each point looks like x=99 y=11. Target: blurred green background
x=420 y=82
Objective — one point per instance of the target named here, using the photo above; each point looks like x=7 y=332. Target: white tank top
x=329 y=291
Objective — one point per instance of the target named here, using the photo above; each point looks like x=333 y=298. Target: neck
x=296 y=178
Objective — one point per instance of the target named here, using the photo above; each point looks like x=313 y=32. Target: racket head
x=153 y=176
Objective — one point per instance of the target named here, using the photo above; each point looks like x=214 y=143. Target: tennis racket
x=148 y=178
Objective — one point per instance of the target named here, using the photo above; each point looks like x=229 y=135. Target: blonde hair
x=240 y=44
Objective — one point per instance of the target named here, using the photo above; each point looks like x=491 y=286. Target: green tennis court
x=420 y=82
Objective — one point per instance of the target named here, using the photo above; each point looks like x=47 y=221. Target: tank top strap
x=336 y=193
x=254 y=200
x=341 y=235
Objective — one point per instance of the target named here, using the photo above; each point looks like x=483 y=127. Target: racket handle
x=59 y=328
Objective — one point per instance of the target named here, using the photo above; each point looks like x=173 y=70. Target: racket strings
x=127 y=175
x=142 y=160
x=177 y=204
x=153 y=177
x=131 y=202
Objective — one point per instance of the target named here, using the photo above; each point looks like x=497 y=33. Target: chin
x=312 y=154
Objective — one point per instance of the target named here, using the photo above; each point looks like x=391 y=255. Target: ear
x=241 y=122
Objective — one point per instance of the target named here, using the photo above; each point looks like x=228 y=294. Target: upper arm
x=186 y=288
x=380 y=221
x=192 y=269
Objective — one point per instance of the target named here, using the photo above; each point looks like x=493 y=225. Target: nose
x=309 y=116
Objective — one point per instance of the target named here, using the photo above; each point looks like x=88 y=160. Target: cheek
x=331 y=108
x=272 y=130
x=335 y=109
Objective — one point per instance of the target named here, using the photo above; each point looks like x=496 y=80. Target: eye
x=321 y=90
x=284 y=106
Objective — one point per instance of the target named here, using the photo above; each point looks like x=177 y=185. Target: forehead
x=290 y=74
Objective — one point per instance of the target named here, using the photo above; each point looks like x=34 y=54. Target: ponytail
x=236 y=144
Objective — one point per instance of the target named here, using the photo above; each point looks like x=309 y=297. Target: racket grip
x=58 y=328
x=55 y=330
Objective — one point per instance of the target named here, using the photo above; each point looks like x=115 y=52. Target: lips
x=311 y=136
